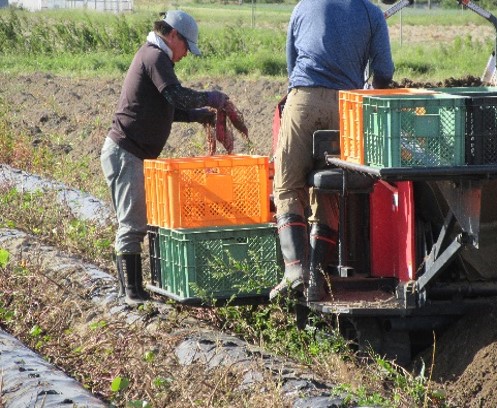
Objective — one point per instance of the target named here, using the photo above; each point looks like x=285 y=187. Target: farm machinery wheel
x=374 y=335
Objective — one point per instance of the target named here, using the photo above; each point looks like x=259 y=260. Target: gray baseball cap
x=186 y=26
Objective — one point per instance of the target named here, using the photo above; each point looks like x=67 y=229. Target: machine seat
x=332 y=180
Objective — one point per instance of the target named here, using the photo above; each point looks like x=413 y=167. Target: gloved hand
x=380 y=82
x=203 y=115
x=216 y=99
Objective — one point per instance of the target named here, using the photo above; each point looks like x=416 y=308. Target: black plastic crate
x=154 y=251
x=480 y=141
x=481 y=130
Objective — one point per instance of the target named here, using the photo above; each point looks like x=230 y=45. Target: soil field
x=81 y=110
x=431 y=34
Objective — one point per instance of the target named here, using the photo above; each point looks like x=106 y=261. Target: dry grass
x=62 y=322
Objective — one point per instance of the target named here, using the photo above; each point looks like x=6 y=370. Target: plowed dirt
x=81 y=109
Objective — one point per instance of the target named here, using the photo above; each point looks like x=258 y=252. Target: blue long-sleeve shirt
x=329 y=43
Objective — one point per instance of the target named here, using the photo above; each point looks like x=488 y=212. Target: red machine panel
x=393 y=231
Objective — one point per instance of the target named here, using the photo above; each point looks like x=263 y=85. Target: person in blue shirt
x=329 y=45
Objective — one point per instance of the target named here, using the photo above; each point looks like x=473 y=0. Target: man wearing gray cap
x=151 y=99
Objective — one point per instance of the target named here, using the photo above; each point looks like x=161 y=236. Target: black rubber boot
x=130 y=282
x=120 y=278
x=294 y=243
x=323 y=242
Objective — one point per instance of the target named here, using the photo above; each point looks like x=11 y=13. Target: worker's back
x=330 y=41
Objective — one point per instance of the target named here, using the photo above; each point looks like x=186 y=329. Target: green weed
x=119 y=384
x=4 y=258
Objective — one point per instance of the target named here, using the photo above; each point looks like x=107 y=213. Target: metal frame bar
x=396 y=8
x=437 y=246
x=484 y=171
x=438 y=259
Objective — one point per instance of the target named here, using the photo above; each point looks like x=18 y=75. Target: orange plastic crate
x=209 y=191
x=153 y=189
x=271 y=177
x=150 y=191
x=162 y=169
x=270 y=189
x=351 y=119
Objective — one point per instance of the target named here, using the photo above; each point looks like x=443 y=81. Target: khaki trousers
x=306 y=110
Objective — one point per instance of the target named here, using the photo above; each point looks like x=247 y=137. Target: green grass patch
x=437 y=16
x=235 y=40
x=88 y=65
x=462 y=57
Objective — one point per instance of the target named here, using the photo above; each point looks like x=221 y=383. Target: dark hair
x=162 y=27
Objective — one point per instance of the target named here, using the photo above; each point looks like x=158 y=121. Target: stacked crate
x=352 y=147
x=403 y=128
x=411 y=128
x=210 y=229
x=419 y=127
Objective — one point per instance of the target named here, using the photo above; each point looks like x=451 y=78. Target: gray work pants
x=124 y=175
x=306 y=110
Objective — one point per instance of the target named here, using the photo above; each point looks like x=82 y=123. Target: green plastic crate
x=466 y=90
x=219 y=262
x=166 y=263
x=414 y=130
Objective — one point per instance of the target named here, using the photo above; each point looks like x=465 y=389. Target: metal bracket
x=439 y=259
x=345 y=271
x=464 y=200
x=407 y=294
x=342 y=212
